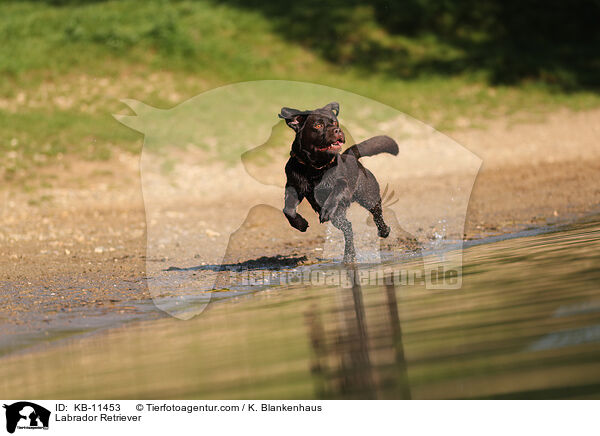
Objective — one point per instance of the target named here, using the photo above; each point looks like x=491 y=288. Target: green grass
x=65 y=66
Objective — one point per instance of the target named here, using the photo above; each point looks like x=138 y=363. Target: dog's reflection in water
x=357 y=348
x=358 y=354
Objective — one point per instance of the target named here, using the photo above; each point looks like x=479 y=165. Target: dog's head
x=318 y=133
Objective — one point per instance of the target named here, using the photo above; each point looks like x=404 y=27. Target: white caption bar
x=299 y=417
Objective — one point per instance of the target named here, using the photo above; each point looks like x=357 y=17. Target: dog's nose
x=337 y=131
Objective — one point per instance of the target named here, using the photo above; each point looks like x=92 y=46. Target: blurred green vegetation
x=64 y=64
x=506 y=41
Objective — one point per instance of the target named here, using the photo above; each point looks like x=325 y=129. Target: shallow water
x=525 y=324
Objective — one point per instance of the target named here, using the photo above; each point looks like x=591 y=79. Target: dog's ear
x=293 y=117
x=333 y=107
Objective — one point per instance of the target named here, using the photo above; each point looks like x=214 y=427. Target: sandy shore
x=82 y=242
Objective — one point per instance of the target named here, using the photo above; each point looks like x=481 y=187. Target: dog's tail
x=373 y=146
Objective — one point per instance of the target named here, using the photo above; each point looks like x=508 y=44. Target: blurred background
x=64 y=64
x=514 y=82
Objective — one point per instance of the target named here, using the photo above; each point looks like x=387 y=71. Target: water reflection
x=351 y=360
x=525 y=324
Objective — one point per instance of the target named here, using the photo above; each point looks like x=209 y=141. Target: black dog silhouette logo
x=26 y=415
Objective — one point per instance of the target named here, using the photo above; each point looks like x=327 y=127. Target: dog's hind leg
x=368 y=197
x=342 y=223
x=383 y=230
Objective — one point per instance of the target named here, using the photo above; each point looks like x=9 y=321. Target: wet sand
x=76 y=250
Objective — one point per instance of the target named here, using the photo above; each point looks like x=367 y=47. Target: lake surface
x=525 y=324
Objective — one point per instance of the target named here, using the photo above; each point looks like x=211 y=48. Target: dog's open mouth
x=334 y=146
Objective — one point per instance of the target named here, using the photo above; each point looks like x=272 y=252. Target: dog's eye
x=318 y=126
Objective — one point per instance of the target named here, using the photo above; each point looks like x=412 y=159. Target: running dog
x=328 y=179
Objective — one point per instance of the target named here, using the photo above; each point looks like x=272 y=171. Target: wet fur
x=328 y=180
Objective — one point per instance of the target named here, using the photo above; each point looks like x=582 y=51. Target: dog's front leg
x=292 y=200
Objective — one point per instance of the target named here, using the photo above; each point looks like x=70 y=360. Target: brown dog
x=331 y=181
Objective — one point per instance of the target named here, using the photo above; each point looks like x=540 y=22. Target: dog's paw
x=349 y=257
x=300 y=223
x=297 y=221
x=383 y=231
x=326 y=214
